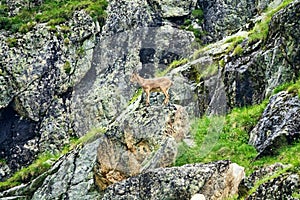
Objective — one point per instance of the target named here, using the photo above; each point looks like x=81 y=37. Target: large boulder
x=218 y=180
x=143 y=139
x=279 y=124
x=270 y=182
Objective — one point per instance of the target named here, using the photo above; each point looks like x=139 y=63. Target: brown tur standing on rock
x=162 y=84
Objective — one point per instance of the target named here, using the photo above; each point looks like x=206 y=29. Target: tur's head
x=133 y=77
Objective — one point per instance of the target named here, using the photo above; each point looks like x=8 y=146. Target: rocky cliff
x=60 y=81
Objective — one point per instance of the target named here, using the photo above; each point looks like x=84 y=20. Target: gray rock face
x=250 y=78
x=143 y=139
x=181 y=182
x=279 y=124
x=222 y=18
x=127 y=15
x=244 y=80
x=169 y=9
x=72 y=176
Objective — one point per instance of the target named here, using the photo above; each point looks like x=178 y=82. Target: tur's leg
x=147 y=97
x=165 y=91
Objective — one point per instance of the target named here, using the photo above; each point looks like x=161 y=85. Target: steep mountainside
x=73 y=126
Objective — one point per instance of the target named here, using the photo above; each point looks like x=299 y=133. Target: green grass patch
x=51 y=12
x=291 y=87
x=209 y=70
x=173 y=65
x=223 y=137
x=235 y=44
x=137 y=94
x=238 y=50
x=198 y=14
x=45 y=160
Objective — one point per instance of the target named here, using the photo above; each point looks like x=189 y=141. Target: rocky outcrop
x=277 y=184
x=279 y=124
x=282 y=57
x=70 y=177
x=38 y=70
x=281 y=187
x=143 y=139
x=218 y=180
x=105 y=91
x=251 y=77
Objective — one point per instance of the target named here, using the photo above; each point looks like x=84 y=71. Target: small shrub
x=67 y=67
x=12 y=42
x=27 y=27
x=67 y=41
x=238 y=50
x=187 y=22
x=222 y=63
x=198 y=14
x=80 y=51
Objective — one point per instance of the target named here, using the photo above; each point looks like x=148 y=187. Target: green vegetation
x=40 y=165
x=12 y=42
x=198 y=17
x=209 y=71
x=67 y=67
x=45 y=160
x=226 y=138
x=198 y=14
x=173 y=65
x=51 y=12
x=234 y=43
x=238 y=50
x=137 y=94
x=290 y=87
